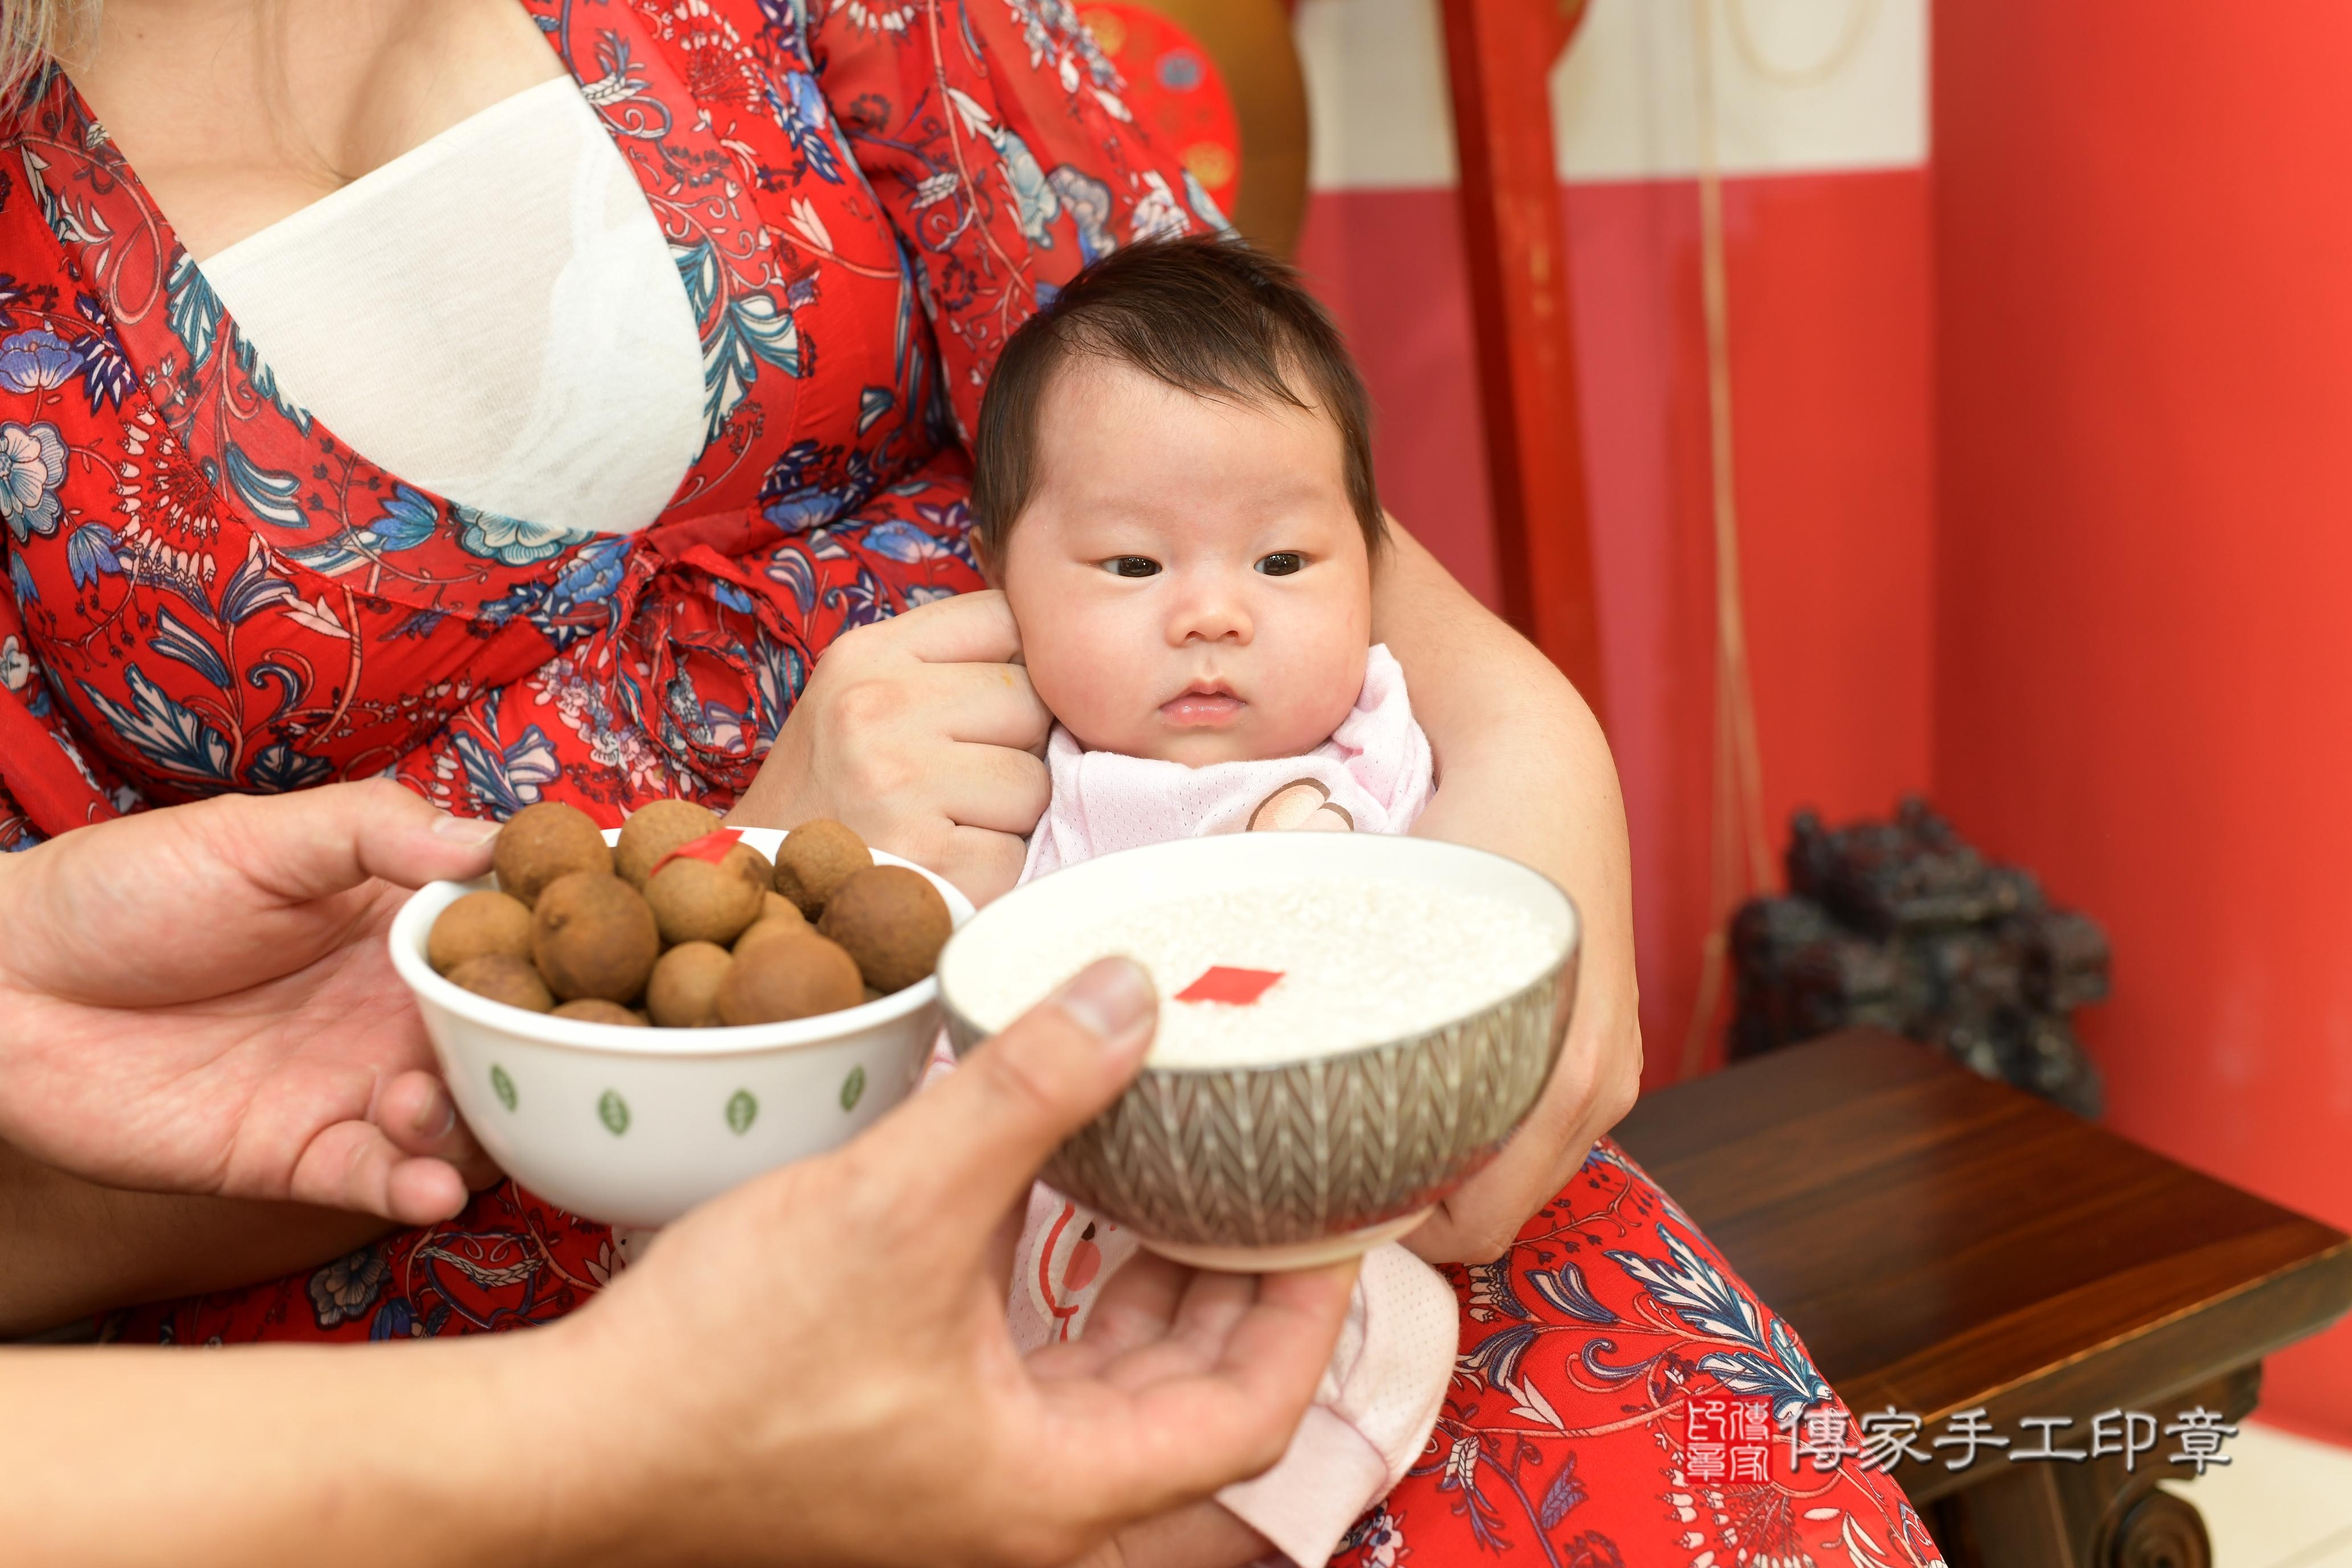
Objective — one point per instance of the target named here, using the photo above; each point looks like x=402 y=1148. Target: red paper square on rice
x=1237 y=987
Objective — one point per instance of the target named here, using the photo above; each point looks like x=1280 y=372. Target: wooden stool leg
x=2097 y=1514
x=2162 y=1530
x=2018 y=1521
x=2071 y=1516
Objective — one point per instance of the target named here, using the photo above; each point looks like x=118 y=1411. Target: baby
x=1174 y=489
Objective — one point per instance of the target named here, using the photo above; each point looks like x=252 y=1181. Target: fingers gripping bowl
x=635 y=1125
x=1429 y=988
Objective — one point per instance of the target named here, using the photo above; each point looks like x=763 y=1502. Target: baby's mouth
x=1207 y=705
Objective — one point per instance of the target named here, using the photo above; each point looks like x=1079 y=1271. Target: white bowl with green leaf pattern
x=634 y=1127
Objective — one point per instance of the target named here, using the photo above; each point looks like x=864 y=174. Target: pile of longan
x=677 y=927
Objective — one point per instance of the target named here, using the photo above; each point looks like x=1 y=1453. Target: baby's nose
x=1213 y=615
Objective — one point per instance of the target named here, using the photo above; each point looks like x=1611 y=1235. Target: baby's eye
x=1282 y=563
x=1131 y=566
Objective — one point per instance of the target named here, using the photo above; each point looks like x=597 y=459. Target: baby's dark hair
x=1211 y=316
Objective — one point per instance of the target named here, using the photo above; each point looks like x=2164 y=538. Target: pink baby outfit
x=1379 y=1396
x=1373 y=775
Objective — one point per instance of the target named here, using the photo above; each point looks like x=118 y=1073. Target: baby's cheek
x=1083 y=681
x=1315 y=690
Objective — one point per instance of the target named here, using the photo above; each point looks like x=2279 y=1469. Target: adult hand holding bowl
x=1423 y=994
x=197 y=1001
x=739 y=1354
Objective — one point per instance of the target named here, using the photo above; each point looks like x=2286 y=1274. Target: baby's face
x=1189 y=581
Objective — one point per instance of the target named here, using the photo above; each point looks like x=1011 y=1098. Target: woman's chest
x=1000 y=159
x=766 y=246
x=182 y=529
x=238 y=116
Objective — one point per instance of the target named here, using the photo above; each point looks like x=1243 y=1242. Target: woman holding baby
x=535 y=400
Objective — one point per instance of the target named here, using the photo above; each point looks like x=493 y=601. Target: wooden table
x=1944 y=1243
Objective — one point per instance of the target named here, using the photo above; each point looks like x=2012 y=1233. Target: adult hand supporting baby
x=922 y=733
x=1522 y=769
x=201 y=1000
x=814 y=1367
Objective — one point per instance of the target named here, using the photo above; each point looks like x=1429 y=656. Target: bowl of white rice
x=1376 y=1016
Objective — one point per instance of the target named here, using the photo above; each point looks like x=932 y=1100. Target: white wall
x=1800 y=85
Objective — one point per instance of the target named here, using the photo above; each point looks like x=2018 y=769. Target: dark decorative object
x=1902 y=925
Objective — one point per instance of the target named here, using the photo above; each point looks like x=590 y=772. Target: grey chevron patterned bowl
x=1291 y=1162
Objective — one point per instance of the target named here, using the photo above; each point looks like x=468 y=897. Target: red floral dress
x=210 y=591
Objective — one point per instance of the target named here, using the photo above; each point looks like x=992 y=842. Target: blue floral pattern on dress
x=31 y=465
x=37 y=361
x=511 y=541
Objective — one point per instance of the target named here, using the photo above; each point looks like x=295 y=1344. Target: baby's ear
x=986 y=559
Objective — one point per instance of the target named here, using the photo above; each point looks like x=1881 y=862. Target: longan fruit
x=683 y=991
x=695 y=900
x=654 y=831
x=503 y=977
x=778 y=916
x=591 y=934
x=788 y=977
x=766 y=928
x=596 y=1010
x=476 y=926
x=814 y=858
x=542 y=842
x=892 y=921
